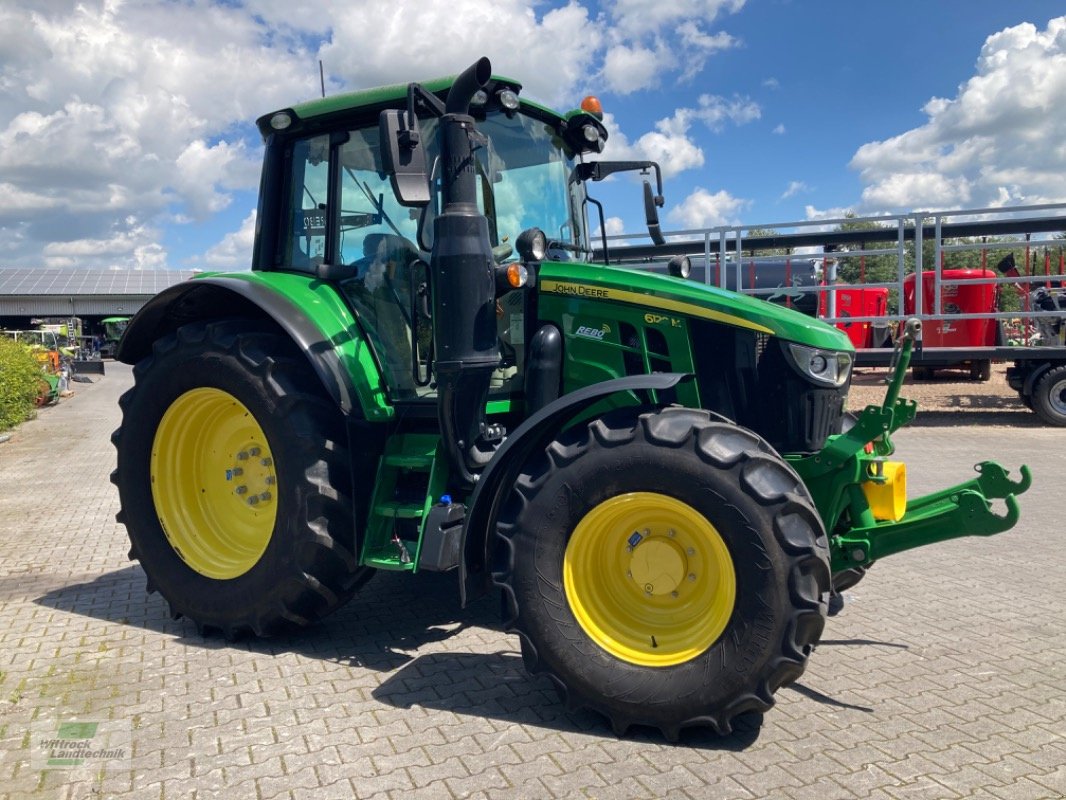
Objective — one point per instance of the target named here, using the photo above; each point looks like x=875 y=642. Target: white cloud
x=635 y=17
x=381 y=43
x=779 y=129
x=628 y=69
x=794 y=188
x=130 y=246
x=235 y=249
x=999 y=137
x=112 y=109
x=813 y=213
x=614 y=226
x=669 y=144
x=715 y=111
x=701 y=209
x=648 y=39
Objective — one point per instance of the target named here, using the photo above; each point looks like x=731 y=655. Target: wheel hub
x=649 y=579
x=658 y=565
x=1057 y=397
x=213 y=483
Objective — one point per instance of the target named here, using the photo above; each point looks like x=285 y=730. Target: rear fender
x=527 y=439
x=310 y=311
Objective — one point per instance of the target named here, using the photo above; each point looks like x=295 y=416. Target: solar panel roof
x=46 y=281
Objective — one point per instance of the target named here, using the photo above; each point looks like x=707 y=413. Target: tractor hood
x=684 y=297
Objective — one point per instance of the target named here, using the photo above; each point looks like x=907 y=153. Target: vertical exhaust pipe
x=463 y=286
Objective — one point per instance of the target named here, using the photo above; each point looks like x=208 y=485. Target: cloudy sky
x=126 y=137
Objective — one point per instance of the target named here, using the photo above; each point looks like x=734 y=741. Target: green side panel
x=606 y=340
x=323 y=305
x=677 y=297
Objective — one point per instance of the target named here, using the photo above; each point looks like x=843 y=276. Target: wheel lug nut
x=253 y=500
x=264 y=496
x=237 y=471
x=674 y=593
x=253 y=451
x=692 y=576
x=270 y=479
x=242 y=456
x=266 y=462
x=691 y=551
x=242 y=489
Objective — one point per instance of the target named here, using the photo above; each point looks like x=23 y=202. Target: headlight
x=830 y=367
x=508 y=99
x=532 y=245
x=680 y=266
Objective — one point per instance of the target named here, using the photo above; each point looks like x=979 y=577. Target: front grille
x=747 y=377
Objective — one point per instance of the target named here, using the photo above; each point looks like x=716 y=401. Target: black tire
x=981 y=370
x=307 y=567
x=1049 y=396
x=923 y=373
x=762 y=512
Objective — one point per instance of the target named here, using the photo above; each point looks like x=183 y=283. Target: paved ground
x=943 y=678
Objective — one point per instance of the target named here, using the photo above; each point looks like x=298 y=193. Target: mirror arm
x=603 y=228
x=419 y=98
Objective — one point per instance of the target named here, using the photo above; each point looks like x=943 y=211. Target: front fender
x=499 y=476
x=309 y=310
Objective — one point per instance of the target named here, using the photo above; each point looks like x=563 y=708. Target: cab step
x=409 y=479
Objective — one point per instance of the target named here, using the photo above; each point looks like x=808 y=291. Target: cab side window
x=306 y=235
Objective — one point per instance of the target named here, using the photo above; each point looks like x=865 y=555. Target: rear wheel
x=234 y=479
x=668 y=570
x=1049 y=396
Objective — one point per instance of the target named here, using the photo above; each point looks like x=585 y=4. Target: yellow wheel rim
x=649 y=579
x=213 y=483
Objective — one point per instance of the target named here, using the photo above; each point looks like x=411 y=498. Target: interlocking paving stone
x=941 y=679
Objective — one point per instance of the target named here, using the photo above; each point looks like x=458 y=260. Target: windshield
x=522 y=183
x=527 y=171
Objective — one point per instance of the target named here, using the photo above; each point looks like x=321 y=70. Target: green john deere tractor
x=423 y=372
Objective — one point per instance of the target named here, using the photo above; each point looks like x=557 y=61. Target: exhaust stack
x=463 y=286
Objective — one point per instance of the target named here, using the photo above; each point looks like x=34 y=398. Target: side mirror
x=403 y=157
x=652 y=202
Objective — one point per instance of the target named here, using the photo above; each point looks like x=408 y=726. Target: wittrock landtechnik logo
x=96 y=744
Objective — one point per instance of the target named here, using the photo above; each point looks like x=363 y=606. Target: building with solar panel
x=31 y=296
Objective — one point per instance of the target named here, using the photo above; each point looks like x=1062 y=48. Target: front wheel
x=234 y=481
x=668 y=570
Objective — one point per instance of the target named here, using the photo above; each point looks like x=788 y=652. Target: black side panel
x=221 y=297
x=544 y=368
